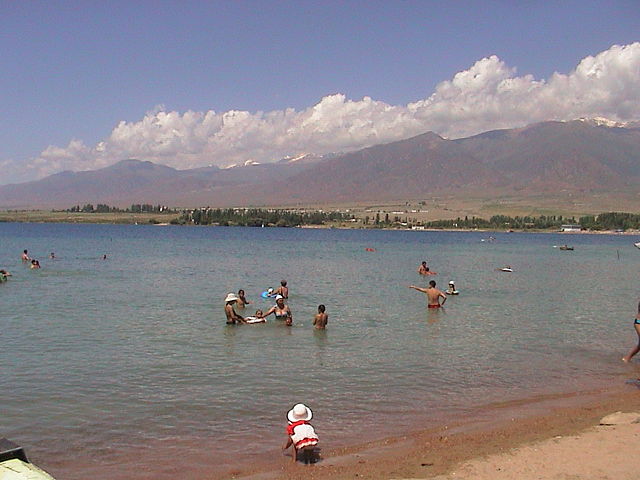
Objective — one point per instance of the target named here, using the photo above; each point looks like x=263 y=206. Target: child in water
x=301 y=434
x=257 y=318
x=321 y=319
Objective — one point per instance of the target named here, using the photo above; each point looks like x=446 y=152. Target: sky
x=85 y=84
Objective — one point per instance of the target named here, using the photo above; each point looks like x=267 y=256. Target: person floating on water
x=423 y=269
x=257 y=318
x=433 y=295
x=25 y=256
x=301 y=434
x=282 y=289
x=452 y=289
x=281 y=311
x=232 y=316
x=4 y=275
x=34 y=264
x=321 y=318
x=242 y=301
x=636 y=324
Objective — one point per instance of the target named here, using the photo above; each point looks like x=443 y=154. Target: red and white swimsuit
x=302 y=434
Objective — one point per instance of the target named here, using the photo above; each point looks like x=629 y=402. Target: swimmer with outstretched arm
x=433 y=295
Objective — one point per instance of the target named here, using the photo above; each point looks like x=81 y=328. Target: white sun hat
x=278 y=297
x=231 y=297
x=299 y=412
x=451 y=282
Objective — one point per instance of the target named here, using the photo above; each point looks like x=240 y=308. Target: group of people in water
x=434 y=294
x=280 y=310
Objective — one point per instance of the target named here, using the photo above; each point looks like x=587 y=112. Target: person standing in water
x=636 y=324
x=282 y=290
x=321 y=319
x=232 y=316
x=25 y=256
x=433 y=295
x=281 y=311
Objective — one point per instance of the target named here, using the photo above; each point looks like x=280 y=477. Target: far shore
x=164 y=219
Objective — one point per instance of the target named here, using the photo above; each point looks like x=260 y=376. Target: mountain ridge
x=543 y=158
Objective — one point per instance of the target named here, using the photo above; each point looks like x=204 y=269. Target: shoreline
x=145 y=221
x=440 y=449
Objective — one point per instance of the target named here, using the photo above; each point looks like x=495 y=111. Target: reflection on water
x=134 y=352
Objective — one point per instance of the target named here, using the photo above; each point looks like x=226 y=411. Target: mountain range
x=549 y=158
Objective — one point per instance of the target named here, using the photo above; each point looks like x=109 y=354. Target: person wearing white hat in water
x=452 y=289
x=232 y=316
x=281 y=311
x=300 y=433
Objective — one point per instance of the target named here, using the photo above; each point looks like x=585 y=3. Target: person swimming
x=452 y=289
x=282 y=289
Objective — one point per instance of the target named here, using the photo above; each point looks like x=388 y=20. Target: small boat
x=14 y=464
x=637 y=244
x=565 y=247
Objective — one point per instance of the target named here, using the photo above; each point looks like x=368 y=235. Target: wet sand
x=549 y=437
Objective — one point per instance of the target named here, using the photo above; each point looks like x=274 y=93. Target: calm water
x=129 y=362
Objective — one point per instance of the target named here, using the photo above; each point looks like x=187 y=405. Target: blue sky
x=73 y=71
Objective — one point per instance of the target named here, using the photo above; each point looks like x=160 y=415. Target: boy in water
x=320 y=320
x=433 y=295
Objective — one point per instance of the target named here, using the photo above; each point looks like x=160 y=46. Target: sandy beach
x=559 y=437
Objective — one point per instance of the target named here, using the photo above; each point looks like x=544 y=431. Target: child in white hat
x=300 y=433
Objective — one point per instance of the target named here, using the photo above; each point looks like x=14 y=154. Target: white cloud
x=487 y=96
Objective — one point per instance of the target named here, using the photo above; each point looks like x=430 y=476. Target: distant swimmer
x=423 y=269
x=52 y=256
x=636 y=324
x=433 y=295
x=281 y=311
x=242 y=301
x=104 y=257
x=25 y=256
x=282 y=289
x=4 y=275
x=232 y=316
x=34 y=264
x=452 y=289
x=321 y=319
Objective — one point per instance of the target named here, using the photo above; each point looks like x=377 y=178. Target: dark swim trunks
x=636 y=321
x=434 y=306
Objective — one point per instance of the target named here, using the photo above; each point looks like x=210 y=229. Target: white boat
x=637 y=244
x=14 y=464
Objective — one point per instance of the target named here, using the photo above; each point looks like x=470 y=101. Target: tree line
x=256 y=217
x=135 y=208
x=603 y=221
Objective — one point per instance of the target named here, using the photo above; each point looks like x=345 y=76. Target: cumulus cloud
x=489 y=95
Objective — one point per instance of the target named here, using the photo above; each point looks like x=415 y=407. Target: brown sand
x=547 y=438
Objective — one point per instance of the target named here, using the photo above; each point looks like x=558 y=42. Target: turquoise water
x=128 y=361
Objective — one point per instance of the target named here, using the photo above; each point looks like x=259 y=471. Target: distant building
x=571 y=228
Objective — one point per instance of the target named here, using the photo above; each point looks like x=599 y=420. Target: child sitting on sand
x=301 y=434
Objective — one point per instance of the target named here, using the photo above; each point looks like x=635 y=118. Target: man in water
x=423 y=269
x=433 y=295
x=232 y=316
x=25 y=256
